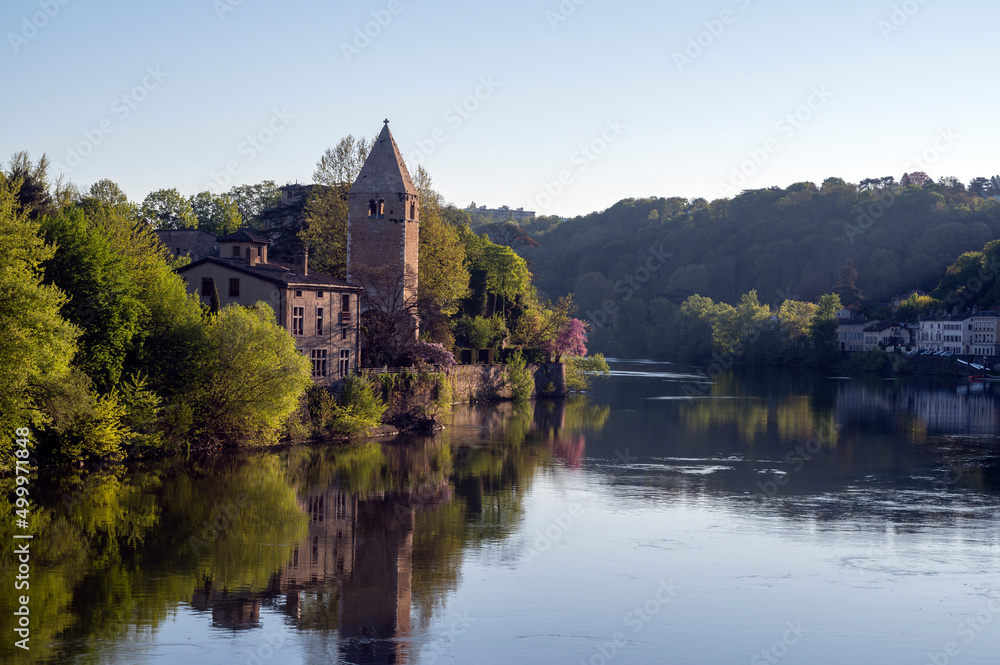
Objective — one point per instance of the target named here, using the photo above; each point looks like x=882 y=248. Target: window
x=298 y=294
x=372 y=208
x=207 y=284
x=236 y=251
x=260 y=251
x=413 y=211
x=319 y=320
x=319 y=294
x=345 y=362
x=381 y=208
x=318 y=362
x=343 y=333
x=234 y=287
x=298 y=317
x=345 y=303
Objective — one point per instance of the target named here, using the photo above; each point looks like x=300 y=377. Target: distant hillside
x=785 y=243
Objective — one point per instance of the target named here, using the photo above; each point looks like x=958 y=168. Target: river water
x=764 y=517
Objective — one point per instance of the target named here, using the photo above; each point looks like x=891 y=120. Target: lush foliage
x=518 y=378
x=255 y=375
x=358 y=409
x=581 y=369
x=632 y=265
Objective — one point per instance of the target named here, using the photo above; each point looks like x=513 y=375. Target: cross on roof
x=386 y=121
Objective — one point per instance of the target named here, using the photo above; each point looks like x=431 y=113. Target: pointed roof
x=384 y=170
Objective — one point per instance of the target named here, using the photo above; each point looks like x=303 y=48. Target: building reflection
x=373 y=512
x=361 y=550
x=968 y=410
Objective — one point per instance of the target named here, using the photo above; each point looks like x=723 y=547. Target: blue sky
x=555 y=106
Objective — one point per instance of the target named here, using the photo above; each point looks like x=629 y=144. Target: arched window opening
x=372 y=208
x=381 y=208
x=413 y=211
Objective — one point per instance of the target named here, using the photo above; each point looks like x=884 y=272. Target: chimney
x=302 y=262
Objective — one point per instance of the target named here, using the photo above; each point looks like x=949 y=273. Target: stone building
x=320 y=312
x=189 y=242
x=383 y=225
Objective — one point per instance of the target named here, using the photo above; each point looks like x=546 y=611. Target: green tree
x=38 y=343
x=167 y=209
x=823 y=331
x=339 y=166
x=325 y=230
x=216 y=214
x=254 y=376
x=105 y=299
x=31 y=183
x=108 y=192
x=443 y=275
x=251 y=200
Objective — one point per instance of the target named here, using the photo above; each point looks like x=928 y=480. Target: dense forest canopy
x=788 y=243
x=782 y=243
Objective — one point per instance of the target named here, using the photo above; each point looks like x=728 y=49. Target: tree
x=255 y=376
x=571 y=340
x=32 y=184
x=37 y=343
x=823 y=331
x=443 y=275
x=167 y=209
x=846 y=287
x=104 y=297
x=251 y=200
x=339 y=166
x=325 y=230
x=388 y=313
x=216 y=214
x=509 y=234
x=917 y=178
x=979 y=186
x=108 y=193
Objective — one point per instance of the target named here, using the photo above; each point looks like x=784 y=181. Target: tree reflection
x=362 y=542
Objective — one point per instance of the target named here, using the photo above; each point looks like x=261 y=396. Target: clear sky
x=563 y=107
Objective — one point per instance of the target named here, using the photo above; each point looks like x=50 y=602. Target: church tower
x=383 y=225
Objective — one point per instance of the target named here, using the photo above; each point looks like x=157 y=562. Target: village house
x=850 y=333
x=984 y=340
x=887 y=336
x=951 y=333
x=320 y=312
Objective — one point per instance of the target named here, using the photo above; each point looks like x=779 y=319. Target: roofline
x=243 y=269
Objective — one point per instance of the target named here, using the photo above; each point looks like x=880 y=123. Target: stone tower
x=383 y=226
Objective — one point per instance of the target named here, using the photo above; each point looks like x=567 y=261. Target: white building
x=984 y=340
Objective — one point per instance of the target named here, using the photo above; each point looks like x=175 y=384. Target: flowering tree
x=571 y=340
x=433 y=354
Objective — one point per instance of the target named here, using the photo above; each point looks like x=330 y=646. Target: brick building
x=383 y=225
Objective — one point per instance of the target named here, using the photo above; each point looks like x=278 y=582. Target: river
x=766 y=516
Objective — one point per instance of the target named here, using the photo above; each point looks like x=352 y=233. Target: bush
x=518 y=378
x=255 y=376
x=580 y=369
x=359 y=408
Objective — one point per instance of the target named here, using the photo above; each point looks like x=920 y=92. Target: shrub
x=359 y=408
x=518 y=378
x=580 y=369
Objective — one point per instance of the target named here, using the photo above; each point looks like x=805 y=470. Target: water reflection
x=358 y=550
x=364 y=541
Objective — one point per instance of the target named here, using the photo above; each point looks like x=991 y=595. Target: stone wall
x=480 y=383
